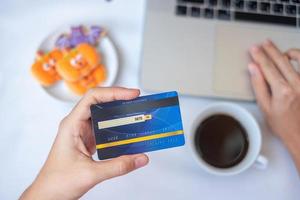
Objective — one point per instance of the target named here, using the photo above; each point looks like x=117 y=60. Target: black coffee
x=221 y=141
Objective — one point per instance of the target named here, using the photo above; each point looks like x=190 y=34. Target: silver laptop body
x=200 y=47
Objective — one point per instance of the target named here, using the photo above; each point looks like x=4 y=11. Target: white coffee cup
x=252 y=157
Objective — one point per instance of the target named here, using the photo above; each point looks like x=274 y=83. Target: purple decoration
x=77 y=40
x=92 y=40
x=63 y=42
x=96 y=31
x=78 y=35
x=77 y=31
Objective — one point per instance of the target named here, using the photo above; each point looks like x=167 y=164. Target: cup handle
x=261 y=162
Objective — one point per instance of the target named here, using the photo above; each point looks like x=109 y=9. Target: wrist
x=34 y=192
x=42 y=188
x=292 y=144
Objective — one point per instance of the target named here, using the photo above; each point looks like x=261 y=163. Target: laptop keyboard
x=281 y=12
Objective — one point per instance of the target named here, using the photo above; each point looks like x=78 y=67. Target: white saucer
x=109 y=57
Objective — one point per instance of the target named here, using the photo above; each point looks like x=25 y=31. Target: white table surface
x=29 y=117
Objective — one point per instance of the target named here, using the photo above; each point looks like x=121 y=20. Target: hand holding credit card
x=144 y=124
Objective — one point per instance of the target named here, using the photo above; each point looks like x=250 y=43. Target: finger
x=100 y=95
x=119 y=166
x=260 y=87
x=294 y=54
x=281 y=61
x=271 y=74
x=88 y=137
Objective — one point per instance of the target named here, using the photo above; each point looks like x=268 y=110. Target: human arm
x=276 y=85
x=69 y=171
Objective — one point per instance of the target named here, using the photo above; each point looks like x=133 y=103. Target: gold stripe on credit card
x=123 y=121
x=139 y=139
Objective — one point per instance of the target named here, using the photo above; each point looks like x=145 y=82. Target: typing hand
x=70 y=171
x=277 y=88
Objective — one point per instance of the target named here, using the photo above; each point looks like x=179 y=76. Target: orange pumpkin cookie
x=90 y=81
x=78 y=62
x=44 y=68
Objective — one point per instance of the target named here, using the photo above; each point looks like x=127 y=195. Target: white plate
x=109 y=58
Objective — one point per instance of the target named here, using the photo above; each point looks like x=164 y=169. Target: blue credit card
x=144 y=124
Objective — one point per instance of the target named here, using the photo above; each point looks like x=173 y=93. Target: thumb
x=119 y=166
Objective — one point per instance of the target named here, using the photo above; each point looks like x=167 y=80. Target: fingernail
x=252 y=69
x=140 y=161
x=268 y=42
x=134 y=89
x=254 y=48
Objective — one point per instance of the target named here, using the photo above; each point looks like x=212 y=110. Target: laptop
x=200 y=47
